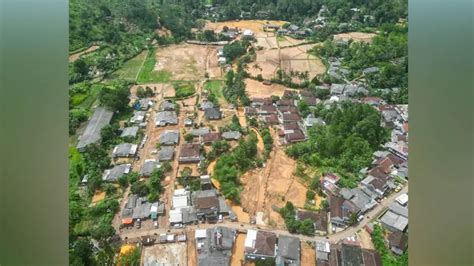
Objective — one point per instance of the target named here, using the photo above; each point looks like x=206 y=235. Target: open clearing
x=183 y=61
x=256 y=89
x=355 y=36
x=289 y=59
x=76 y=56
x=254 y=25
x=129 y=70
x=166 y=254
x=308 y=254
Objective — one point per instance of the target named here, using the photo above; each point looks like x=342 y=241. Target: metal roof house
x=100 y=119
x=231 y=135
x=394 y=222
x=138 y=117
x=113 y=174
x=288 y=252
x=166 y=153
x=129 y=132
x=166 y=118
x=125 y=150
x=149 y=167
x=212 y=113
x=260 y=245
x=214 y=246
x=199 y=132
x=167 y=106
x=190 y=153
x=169 y=137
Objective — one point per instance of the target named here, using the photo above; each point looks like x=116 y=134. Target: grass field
x=148 y=74
x=281 y=38
x=130 y=69
x=215 y=87
x=183 y=89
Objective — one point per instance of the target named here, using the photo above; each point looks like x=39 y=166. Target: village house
x=143 y=104
x=206 y=204
x=260 y=245
x=210 y=137
x=165 y=118
x=125 y=150
x=206 y=105
x=190 y=153
x=148 y=167
x=188 y=122
x=398 y=242
x=169 y=137
x=99 y=120
x=166 y=153
x=319 y=219
x=138 y=117
x=394 y=222
x=116 y=172
x=129 y=132
x=214 y=245
x=167 y=106
x=231 y=135
x=199 y=132
x=288 y=251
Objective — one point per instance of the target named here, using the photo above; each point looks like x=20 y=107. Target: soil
x=191 y=247
x=238 y=250
x=166 y=254
x=308 y=254
x=365 y=239
x=98 y=196
x=256 y=89
x=355 y=36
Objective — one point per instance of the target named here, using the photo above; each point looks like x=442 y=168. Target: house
x=376 y=185
x=138 y=117
x=331 y=178
x=222 y=60
x=267 y=110
x=212 y=113
x=190 y=153
x=271 y=119
x=362 y=201
x=175 y=217
x=144 y=104
x=166 y=153
x=206 y=204
x=285 y=102
x=394 y=222
x=231 y=135
x=142 y=209
x=125 y=150
x=322 y=252
x=250 y=111
x=167 y=106
x=402 y=199
x=336 y=215
x=165 y=118
x=129 y=132
x=149 y=167
x=114 y=173
x=374 y=101
x=310 y=121
x=199 y=132
x=260 y=245
x=99 y=120
x=351 y=90
x=319 y=219
x=288 y=252
x=310 y=100
x=211 y=137
x=205 y=181
x=289 y=117
x=181 y=198
x=337 y=89
x=189 y=215
x=157 y=209
x=214 y=245
x=398 y=242
x=295 y=136
x=398 y=209
x=355 y=255
x=224 y=207
x=257 y=102
x=293 y=28
x=188 y=122
x=169 y=137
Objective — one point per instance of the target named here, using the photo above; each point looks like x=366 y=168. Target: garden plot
x=355 y=36
x=183 y=61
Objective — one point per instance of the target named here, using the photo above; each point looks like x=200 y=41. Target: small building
x=371 y=70
x=394 y=222
x=142 y=209
x=125 y=150
x=116 y=172
x=222 y=60
x=166 y=153
x=190 y=153
x=402 y=199
x=211 y=137
x=129 y=132
x=199 y=132
x=293 y=28
x=260 y=245
x=206 y=204
x=212 y=113
x=231 y=135
x=169 y=137
x=149 y=167
x=214 y=245
x=322 y=252
x=206 y=105
x=289 y=117
x=99 y=120
x=206 y=183
x=310 y=121
x=138 y=117
x=288 y=252
x=398 y=242
x=188 y=122
x=165 y=118
x=176 y=217
x=247 y=34
x=296 y=136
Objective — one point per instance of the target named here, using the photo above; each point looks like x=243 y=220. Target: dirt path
x=238 y=250
x=241 y=116
x=260 y=145
x=308 y=255
x=76 y=56
x=191 y=247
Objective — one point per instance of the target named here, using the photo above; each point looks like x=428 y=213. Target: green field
x=281 y=38
x=130 y=69
x=215 y=87
x=148 y=74
x=183 y=89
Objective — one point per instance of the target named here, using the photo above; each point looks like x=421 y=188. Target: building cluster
x=284 y=114
x=138 y=209
x=346 y=252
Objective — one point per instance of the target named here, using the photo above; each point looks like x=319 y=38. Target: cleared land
x=76 y=56
x=183 y=61
x=130 y=69
x=308 y=254
x=166 y=254
x=355 y=36
x=238 y=250
x=149 y=73
x=254 y=25
x=257 y=89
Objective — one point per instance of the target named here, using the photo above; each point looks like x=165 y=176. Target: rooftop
x=169 y=137
x=116 y=172
x=99 y=119
x=129 y=132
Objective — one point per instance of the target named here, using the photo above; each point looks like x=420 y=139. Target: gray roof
x=205 y=193
x=311 y=120
x=197 y=132
x=189 y=215
x=361 y=200
x=125 y=150
x=394 y=221
x=350 y=90
x=205 y=105
x=166 y=118
x=371 y=70
x=144 y=103
x=289 y=247
x=337 y=88
x=142 y=209
x=138 y=117
x=293 y=27
x=398 y=209
x=231 y=135
x=116 y=172
x=346 y=193
x=148 y=167
x=216 y=247
x=129 y=132
x=167 y=106
x=166 y=153
x=99 y=119
x=169 y=137
x=223 y=207
x=212 y=113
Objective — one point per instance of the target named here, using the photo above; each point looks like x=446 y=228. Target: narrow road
x=336 y=237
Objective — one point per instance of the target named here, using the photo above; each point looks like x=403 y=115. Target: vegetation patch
x=183 y=89
x=148 y=74
x=130 y=68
